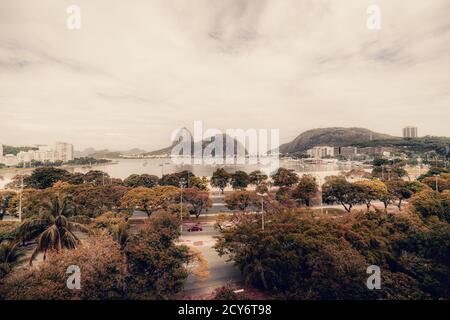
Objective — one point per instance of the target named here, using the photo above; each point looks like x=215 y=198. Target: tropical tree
x=257 y=177
x=96 y=177
x=262 y=188
x=430 y=203
x=43 y=178
x=370 y=190
x=402 y=190
x=75 y=178
x=338 y=190
x=302 y=257
x=100 y=261
x=177 y=179
x=284 y=197
x=53 y=227
x=390 y=196
x=198 y=200
x=220 y=179
x=239 y=200
x=185 y=177
x=10 y=256
x=156 y=266
x=284 y=178
x=240 y=180
x=306 y=189
x=150 y=200
x=144 y=180
x=200 y=183
x=294 y=258
x=385 y=169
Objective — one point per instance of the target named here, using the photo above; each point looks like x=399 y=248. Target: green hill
x=331 y=137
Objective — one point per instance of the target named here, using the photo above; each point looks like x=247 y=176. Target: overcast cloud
x=139 y=69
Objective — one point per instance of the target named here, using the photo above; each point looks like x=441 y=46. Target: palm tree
x=53 y=228
x=10 y=256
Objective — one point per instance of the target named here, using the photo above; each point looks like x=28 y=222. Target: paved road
x=220 y=270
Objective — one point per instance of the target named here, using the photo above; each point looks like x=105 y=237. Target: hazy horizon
x=137 y=70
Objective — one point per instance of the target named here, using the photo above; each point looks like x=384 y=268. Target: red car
x=195 y=227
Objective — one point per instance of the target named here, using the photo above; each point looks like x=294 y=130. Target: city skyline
x=59 y=151
x=80 y=149
x=133 y=74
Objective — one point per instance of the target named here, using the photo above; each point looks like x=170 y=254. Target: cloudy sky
x=138 y=69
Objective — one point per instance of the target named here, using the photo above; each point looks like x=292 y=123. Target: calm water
x=125 y=167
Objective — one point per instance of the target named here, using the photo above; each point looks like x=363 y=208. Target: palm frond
x=32 y=227
x=69 y=239
x=81 y=219
x=79 y=227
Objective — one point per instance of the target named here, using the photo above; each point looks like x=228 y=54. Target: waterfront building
x=10 y=160
x=64 y=151
x=320 y=152
x=347 y=152
x=61 y=151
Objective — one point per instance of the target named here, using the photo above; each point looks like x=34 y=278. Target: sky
x=139 y=69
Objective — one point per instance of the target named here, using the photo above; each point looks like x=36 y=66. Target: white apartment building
x=321 y=152
x=10 y=160
x=64 y=151
x=59 y=152
x=410 y=132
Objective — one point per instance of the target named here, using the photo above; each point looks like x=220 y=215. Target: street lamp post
x=262 y=195
x=20 y=199
x=437 y=183
x=181 y=208
x=162 y=169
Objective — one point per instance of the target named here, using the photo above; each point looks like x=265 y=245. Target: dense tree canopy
x=43 y=178
x=305 y=190
x=257 y=177
x=338 y=190
x=143 y=180
x=150 y=199
x=430 y=204
x=156 y=266
x=370 y=190
x=240 y=200
x=240 y=180
x=198 y=200
x=301 y=257
x=284 y=178
x=101 y=265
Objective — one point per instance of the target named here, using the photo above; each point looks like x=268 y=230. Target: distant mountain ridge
x=105 y=153
x=168 y=150
x=335 y=136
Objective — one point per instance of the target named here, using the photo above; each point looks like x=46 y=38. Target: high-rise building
x=321 y=152
x=64 y=151
x=410 y=132
x=60 y=152
x=347 y=152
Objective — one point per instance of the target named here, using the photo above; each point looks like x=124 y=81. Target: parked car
x=195 y=227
